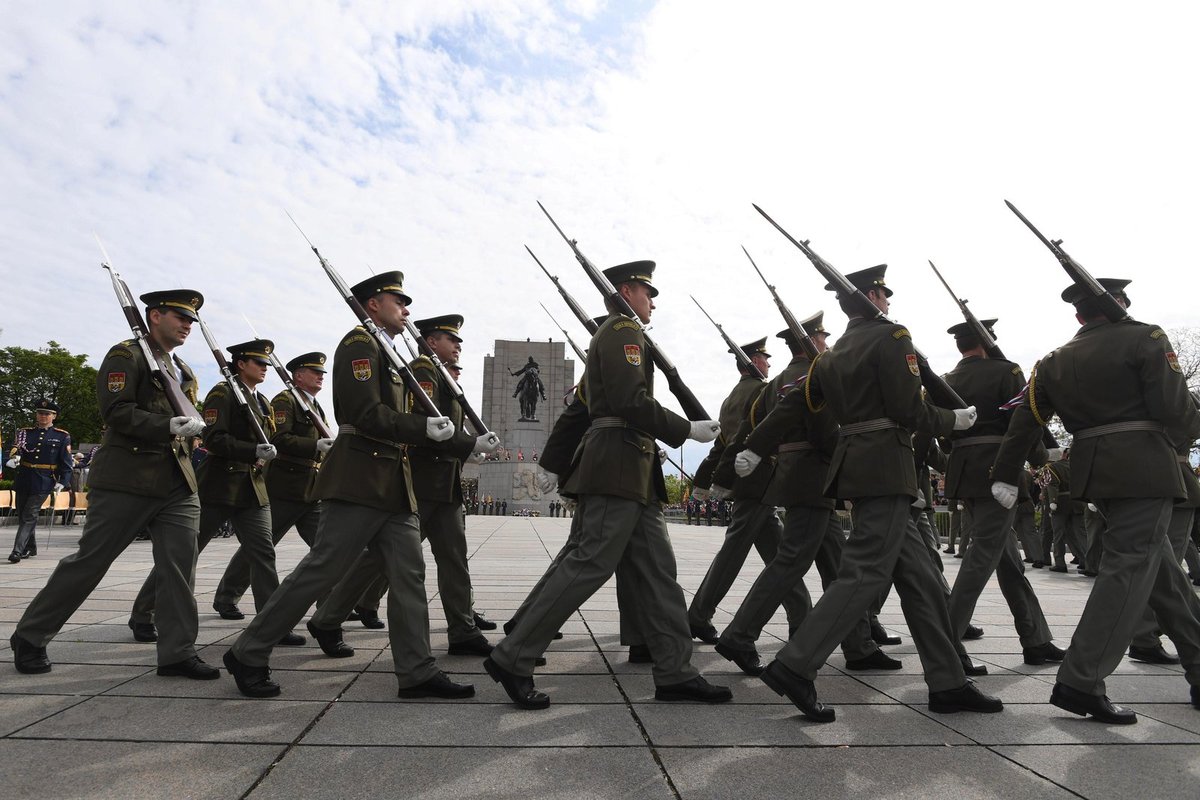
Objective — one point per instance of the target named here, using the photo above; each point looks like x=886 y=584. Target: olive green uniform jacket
x=292 y=475
x=734 y=410
x=1110 y=373
x=368 y=464
x=228 y=476
x=871 y=374
x=138 y=453
x=619 y=381
x=437 y=467
x=798 y=477
x=568 y=431
x=987 y=384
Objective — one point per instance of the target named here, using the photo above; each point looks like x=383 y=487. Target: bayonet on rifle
x=794 y=325
x=743 y=360
x=939 y=391
x=297 y=395
x=980 y=330
x=582 y=356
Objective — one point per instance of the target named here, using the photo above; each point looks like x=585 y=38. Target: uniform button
x=375 y=453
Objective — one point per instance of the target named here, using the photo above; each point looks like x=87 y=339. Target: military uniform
x=987 y=384
x=800 y=445
x=46 y=461
x=754 y=522
x=365 y=489
x=437 y=485
x=870 y=382
x=1118 y=388
x=1066 y=515
x=232 y=487
x=290 y=478
x=619 y=481
x=141 y=479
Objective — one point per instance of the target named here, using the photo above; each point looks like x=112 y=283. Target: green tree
x=674 y=490
x=54 y=372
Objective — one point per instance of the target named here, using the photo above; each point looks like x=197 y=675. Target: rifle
x=1109 y=306
x=798 y=331
x=687 y=399
x=235 y=386
x=678 y=466
x=939 y=391
x=743 y=360
x=318 y=423
x=575 y=347
x=987 y=340
x=424 y=349
x=977 y=327
x=155 y=356
x=571 y=302
x=386 y=345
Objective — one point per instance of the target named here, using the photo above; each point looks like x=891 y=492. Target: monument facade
x=524 y=383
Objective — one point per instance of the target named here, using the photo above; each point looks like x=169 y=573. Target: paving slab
x=1118 y=772
x=1043 y=723
x=93 y=770
x=18 y=712
x=375 y=687
x=425 y=773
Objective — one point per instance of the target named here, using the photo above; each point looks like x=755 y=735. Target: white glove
x=746 y=462
x=919 y=503
x=265 y=452
x=960 y=507
x=477 y=458
x=1054 y=454
x=1005 y=493
x=14 y=462
x=186 y=426
x=323 y=445
x=547 y=481
x=1054 y=506
x=439 y=429
x=705 y=430
x=662 y=456
x=964 y=418
x=58 y=487
x=720 y=492
x=699 y=492
x=486 y=443
x=1092 y=507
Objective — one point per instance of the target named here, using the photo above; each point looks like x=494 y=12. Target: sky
x=419 y=135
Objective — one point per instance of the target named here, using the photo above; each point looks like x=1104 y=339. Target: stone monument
x=524 y=383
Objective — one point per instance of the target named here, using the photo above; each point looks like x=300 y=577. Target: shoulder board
x=122 y=350
x=1016 y=370
x=359 y=335
x=62 y=430
x=283 y=397
x=1157 y=333
x=626 y=324
x=901 y=333
x=220 y=390
x=422 y=361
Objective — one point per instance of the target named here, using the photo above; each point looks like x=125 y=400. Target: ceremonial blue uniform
x=45 y=460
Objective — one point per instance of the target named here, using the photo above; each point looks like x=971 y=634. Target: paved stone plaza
x=102 y=724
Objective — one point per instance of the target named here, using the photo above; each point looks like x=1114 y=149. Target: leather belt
x=868 y=426
x=794 y=447
x=304 y=462
x=613 y=422
x=37 y=466
x=973 y=441
x=1120 y=427
x=353 y=431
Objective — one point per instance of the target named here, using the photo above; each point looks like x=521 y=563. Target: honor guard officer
x=621 y=491
x=232 y=486
x=802 y=443
x=437 y=485
x=292 y=475
x=754 y=523
x=988 y=384
x=41 y=456
x=870 y=382
x=141 y=479
x=365 y=489
x=1119 y=390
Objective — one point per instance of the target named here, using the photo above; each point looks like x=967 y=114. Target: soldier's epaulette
x=220 y=390
x=61 y=430
x=1157 y=333
x=626 y=324
x=359 y=335
x=283 y=397
x=422 y=361
x=901 y=333
x=122 y=349
x=1016 y=370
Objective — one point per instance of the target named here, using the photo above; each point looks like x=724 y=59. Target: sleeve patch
x=623 y=324
x=210 y=416
x=913 y=366
x=1173 y=361
x=357 y=337
x=361 y=367
x=428 y=387
x=116 y=381
x=901 y=334
x=281 y=416
x=633 y=354
x=1157 y=333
